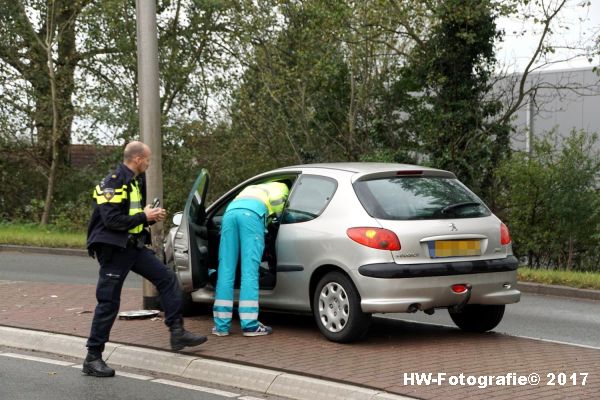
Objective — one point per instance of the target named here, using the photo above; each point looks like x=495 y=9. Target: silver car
x=360 y=238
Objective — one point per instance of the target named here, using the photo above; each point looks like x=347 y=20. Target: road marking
x=134 y=376
x=195 y=387
x=38 y=359
x=250 y=398
x=585 y=346
x=124 y=374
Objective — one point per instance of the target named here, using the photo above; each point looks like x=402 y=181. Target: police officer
x=243 y=231
x=116 y=236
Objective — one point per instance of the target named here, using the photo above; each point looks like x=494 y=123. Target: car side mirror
x=177 y=218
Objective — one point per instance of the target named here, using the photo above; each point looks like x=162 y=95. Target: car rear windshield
x=422 y=197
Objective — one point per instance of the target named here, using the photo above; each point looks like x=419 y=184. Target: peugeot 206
x=356 y=239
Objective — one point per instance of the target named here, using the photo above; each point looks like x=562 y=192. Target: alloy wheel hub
x=334 y=307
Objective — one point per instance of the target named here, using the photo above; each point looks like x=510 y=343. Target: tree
x=294 y=91
x=74 y=61
x=316 y=89
x=552 y=202
x=37 y=41
x=447 y=81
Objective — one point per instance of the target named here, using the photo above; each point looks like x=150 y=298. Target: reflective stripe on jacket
x=272 y=194
x=135 y=205
x=117 y=209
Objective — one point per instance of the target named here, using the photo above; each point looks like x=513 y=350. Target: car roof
x=362 y=168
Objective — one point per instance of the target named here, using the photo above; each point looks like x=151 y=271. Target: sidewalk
x=392 y=349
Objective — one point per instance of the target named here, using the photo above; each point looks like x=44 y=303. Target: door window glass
x=309 y=198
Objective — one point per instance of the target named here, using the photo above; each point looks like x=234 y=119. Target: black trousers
x=115 y=264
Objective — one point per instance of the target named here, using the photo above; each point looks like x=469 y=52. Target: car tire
x=337 y=311
x=478 y=317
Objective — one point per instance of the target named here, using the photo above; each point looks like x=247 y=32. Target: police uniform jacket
x=110 y=221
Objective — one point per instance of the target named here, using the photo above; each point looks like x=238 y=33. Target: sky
x=576 y=24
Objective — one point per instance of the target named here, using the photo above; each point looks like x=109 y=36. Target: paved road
x=16 y=266
x=544 y=317
x=541 y=317
x=29 y=376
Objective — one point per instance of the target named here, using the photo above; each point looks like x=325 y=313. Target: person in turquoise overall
x=243 y=233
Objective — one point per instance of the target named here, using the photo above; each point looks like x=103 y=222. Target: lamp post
x=149 y=109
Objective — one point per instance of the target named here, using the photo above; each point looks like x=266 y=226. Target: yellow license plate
x=457 y=248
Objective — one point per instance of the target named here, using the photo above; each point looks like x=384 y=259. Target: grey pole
x=530 y=121
x=149 y=106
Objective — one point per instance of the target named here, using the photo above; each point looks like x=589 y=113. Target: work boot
x=93 y=365
x=181 y=338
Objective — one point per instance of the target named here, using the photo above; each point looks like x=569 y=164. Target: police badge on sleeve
x=108 y=193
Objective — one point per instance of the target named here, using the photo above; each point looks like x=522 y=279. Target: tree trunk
x=55 y=135
x=61 y=77
x=570 y=254
x=61 y=84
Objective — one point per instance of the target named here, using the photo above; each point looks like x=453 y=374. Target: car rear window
x=422 y=197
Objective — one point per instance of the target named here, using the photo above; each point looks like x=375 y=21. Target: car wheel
x=478 y=317
x=337 y=311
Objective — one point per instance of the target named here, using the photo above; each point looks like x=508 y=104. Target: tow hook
x=461 y=289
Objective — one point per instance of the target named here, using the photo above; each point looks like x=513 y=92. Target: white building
x=565 y=100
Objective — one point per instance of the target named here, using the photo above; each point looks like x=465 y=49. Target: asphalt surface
x=17 y=266
x=575 y=321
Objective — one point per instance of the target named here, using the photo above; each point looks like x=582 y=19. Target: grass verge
x=35 y=235
x=576 y=279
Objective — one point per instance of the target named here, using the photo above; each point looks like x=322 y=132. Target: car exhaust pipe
x=413 y=308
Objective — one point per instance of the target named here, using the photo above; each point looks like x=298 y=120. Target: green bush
x=24 y=190
x=553 y=203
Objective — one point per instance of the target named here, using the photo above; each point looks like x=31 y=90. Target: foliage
x=291 y=100
x=577 y=279
x=22 y=197
x=72 y=63
x=246 y=86
x=447 y=85
x=553 y=203
x=197 y=43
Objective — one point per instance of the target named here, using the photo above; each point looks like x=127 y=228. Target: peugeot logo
x=452 y=226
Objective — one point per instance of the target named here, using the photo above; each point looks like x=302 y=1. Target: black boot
x=181 y=338
x=95 y=366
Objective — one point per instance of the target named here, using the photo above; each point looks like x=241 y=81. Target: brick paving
x=392 y=348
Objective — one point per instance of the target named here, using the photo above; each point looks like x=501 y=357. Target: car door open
x=192 y=271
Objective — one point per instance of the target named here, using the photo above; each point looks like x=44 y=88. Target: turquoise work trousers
x=242 y=233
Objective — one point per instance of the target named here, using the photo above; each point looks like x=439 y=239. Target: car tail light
x=376 y=238
x=460 y=288
x=504 y=235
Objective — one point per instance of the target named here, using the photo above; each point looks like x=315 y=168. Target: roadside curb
x=44 y=250
x=266 y=381
x=557 y=290
x=527 y=287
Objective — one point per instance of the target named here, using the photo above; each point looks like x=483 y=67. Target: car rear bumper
x=396 y=295
x=393 y=270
